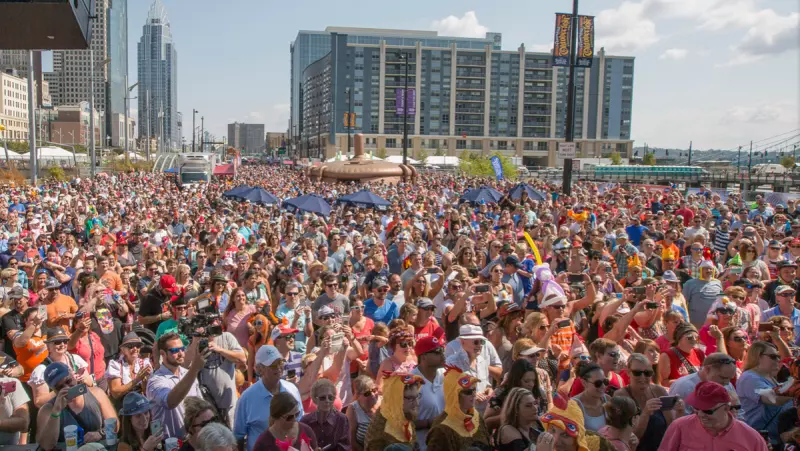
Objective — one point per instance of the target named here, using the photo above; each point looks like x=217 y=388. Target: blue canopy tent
x=483 y=194
x=172 y=171
x=309 y=203
x=260 y=196
x=237 y=192
x=365 y=199
x=516 y=192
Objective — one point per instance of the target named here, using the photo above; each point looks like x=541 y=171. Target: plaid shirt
x=692 y=267
x=622 y=260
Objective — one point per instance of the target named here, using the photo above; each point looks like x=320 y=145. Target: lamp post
x=127 y=113
x=202 y=133
x=72 y=135
x=569 y=130
x=404 y=57
x=194 y=129
x=91 y=106
x=349 y=93
x=5 y=145
x=319 y=135
x=31 y=119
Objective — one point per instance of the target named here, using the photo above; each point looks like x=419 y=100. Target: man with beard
x=172 y=383
x=430 y=354
x=394 y=422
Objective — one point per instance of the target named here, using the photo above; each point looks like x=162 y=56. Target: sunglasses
x=290 y=417
x=739 y=339
x=600 y=383
x=327 y=317
x=370 y=392
x=205 y=423
x=328 y=398
x=383 y=290
x=639 y=373
x=712 y=411
x=404 y=344
x=177 y=350
x=357 y=307
x=292 y=294
x=331 y=285
x=60 y=342
x=131 y=346
x=288 y=337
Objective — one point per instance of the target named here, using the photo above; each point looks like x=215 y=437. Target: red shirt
x=687 y=214
x=430 y=329
x=676 y=367
x=92 y=353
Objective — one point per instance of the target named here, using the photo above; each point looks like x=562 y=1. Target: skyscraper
x=158 y=80
x=247 y=137
x=117 y=45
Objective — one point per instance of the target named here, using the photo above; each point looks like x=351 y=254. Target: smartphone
x=482 y=288
x=651 y=305
x=43 y=312
x=336 y=342
x=765 y=327
x=76 y=391
x=575 y=278
x=433 y=270
x=564 y=323
x=609 y=269
x=291 y=374
x=155 y=427
x=639 y=290
x=8 y=387
x=668 y=402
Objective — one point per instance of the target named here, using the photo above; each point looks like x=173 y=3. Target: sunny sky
x=717 y=72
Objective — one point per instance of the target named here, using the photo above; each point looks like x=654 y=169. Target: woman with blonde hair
x=408 y=313
x=652 y=351
x=761 y=411
x=538 y=328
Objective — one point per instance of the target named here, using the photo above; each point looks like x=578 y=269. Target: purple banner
x=401 y=104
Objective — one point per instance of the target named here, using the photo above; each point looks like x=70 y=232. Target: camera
x=201 y=325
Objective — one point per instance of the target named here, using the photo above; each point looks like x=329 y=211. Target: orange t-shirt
x=114 y=281
x=31 y=355
x=62 y=304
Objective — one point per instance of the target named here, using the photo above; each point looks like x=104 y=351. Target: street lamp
x=127 y=113
x=91 y=105
x=194 y=129
x=5 y=145
x=349 y=99
x=72 y=134
x=404 y=57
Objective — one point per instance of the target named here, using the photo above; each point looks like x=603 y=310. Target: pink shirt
x=236 y=323
x=687 y=434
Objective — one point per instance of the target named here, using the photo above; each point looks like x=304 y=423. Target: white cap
x=470 y=331
x=531 y=351
x=267 y=355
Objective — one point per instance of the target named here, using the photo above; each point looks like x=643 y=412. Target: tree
x=649 y=159
x=57 y=173
x=381 y=153
x=439 y=152
x=787 y=162
x=616 y=159
x=477 y=165
x=18 y=146
x=422 y=155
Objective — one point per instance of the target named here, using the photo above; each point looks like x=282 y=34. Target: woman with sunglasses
x=329 y=423
x=362 y=411
x=593 y=397
x=362 y=331
x=197 y=413
x=749 y=253
x=401 y=343
x=522 y=374
x=761 y=411
x=135 y=432
x=284 y=428
x=684 y=357
x=654 y=420
x=128 y=373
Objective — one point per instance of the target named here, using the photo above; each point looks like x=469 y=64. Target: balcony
x=470 y=62
x=536 y=112
x=468 y=122
x=45 y=24
x=538 y=66
x=470 y=73
x=467 y=98
x=476 y=86
x=469 y=110
x=537 y=89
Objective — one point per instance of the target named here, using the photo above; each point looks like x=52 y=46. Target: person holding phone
x=128 y=373
x=74 y=404
x=136 y=431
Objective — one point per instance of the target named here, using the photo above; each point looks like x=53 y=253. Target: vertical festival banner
x=497 y=165
x=562 y=39
x=409 y=99
x=585 y=50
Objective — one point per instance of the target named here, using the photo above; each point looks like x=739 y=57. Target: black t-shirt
x=10 y=321
x=110 y=340
x=151 y=305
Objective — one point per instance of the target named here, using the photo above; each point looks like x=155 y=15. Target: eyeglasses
x=327 y=317
x=328 y=398
x=292 y=294
x=205 y=423
x=559 y=307
x=468 y=392
x=599 y=383
x=357 y=307
x=736 y=407
x=404 y=344
x=712 y=411
x=452 y=287
x=739 y=339
x=370 y=392
x=131 y=346
x=639 y=373
x=177 y=350
x=288 y=337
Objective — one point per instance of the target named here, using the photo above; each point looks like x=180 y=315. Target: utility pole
x=750 y=159
x=319 y=139
x=738 y=161
x=32 y=120
x=405 y=112
x=569 y=132
x=194 y=129
x=202 y=133
x=690 y=154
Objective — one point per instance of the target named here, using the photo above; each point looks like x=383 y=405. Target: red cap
x=167 y=283
x=427 y=344
x=707 y=395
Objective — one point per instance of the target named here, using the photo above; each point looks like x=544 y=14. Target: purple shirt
x=333 y=432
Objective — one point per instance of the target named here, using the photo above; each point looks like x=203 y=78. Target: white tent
x=56 y=153
x=398 y=159
x=442 y=161
x=133 y=156
x=11 y=154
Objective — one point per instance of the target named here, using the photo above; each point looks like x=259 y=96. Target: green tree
x=18 y=146
x=616 y=159
x=57 y=173
x=439 y=152
x=787 y=162
x=381 y=153
x=649 y=159
x=422 y=155
x=476 y=165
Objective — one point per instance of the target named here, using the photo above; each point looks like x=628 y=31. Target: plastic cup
x=111 y=433
x=71 y=437
x=171 y=444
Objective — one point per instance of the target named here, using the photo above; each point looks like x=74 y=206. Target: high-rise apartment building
x=247 y=137
x=158 y=80
x=470 y=95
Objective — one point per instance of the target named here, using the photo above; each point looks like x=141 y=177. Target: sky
x=718 y=73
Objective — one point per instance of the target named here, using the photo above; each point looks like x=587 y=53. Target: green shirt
x=168 y=326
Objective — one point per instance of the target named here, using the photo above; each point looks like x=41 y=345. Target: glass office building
x=117 y=45
x=158 y=80
x=471 y=95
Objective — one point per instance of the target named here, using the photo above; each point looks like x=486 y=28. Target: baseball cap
x=468 y=331
x=379 y=282
x=167 y=283
x=786 y=264
x=282 y=330
x=18 y=293
x=513 y=261
x=706 y=395
x=267 y=355
x=784 y=289
x=54 y=373
x=427 y=344
x=670 y=276
x=325 y=310
x=622 y=236
x=531 y=351
x=52 y=283
x=424 y=303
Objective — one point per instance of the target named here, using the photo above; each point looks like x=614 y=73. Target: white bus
x=195 y=168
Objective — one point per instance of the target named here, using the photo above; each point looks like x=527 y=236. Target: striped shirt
x=721 y=241
x=294 y=362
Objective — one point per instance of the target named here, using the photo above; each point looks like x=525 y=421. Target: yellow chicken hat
x=455 y=380
x=394 y=385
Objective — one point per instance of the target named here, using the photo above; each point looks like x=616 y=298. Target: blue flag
x=498 y=167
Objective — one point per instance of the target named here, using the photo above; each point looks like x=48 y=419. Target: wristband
x=55 y=415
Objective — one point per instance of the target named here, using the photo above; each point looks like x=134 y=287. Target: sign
x=410 y=100
x=563 y=39
x=566 y=150
x=349 y=119
x=585 y=51
x=497 y=165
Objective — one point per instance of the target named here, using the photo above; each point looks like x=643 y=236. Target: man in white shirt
x=717 y=367
x=471 y=360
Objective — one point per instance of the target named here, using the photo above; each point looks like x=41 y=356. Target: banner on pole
x=497 y=165
x=401 y=101
x=585 y=50
x=562 y=39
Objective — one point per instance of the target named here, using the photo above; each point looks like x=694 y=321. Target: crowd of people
x=147 y=316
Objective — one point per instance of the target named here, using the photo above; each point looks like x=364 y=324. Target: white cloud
x=761 y=114
x=466 y=26
x=674 y=54
x=625 y=29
